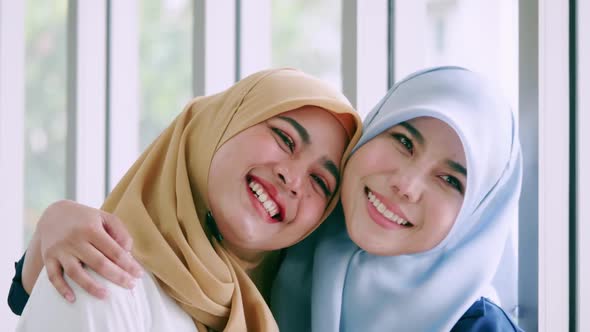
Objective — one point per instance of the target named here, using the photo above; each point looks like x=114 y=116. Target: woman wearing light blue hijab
x=429 y=195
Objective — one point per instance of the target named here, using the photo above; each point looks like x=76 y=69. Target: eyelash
x=287 y=140
x=409 y=145
x=323 y=185
x=453 y=182
x=404 y=141
x=290 y=144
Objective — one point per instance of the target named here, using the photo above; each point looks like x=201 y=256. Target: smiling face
x=270 y=184
x=402 y=190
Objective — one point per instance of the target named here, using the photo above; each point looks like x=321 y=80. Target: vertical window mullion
x=255 y=36
x=12 y=113
x=214 y=48
x=86 y=101
x=528 y=242
x=364 y=52
x=123 y=88
x=583 y=165
x=554 y=166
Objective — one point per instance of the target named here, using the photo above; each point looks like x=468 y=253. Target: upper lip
x=390 y=205
x=272 y=191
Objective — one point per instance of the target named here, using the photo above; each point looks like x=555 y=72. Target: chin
x=372 y=247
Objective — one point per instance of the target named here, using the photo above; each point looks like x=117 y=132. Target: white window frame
x=554 y=168
x=254 y=36
x=123 y=88
x=12 y=114
x=365 y=52
x=214 y=46
x=583 y=165
x=86 y=140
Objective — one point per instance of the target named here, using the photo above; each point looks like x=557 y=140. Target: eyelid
x=460 y=186
x=284 y=136
x=326 y=187
x=399 y=136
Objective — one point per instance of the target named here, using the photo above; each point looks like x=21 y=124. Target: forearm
x=33 y=263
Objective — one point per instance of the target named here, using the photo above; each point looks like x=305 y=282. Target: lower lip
x=258 y=206
x=380 y=219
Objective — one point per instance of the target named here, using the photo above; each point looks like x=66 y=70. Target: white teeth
x=384 y=211
x=270 y=205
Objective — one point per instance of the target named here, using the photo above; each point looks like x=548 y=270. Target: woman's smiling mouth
x=263 y=198
x=381 y=211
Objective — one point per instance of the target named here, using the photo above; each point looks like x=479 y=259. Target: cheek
x=445 y=212
x=312 y=209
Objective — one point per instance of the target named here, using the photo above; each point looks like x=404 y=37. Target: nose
x=407 y=184
x=291 y=176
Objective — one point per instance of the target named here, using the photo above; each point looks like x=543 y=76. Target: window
x=45 y=103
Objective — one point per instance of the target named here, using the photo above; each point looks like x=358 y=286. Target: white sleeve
x=123 y=310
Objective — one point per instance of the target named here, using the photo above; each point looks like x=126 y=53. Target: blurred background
x=87 y=85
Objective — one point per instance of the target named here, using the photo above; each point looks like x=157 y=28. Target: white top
x=144 y=308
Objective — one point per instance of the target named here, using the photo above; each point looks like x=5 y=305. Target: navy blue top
x=482 y=316
x=18 y=297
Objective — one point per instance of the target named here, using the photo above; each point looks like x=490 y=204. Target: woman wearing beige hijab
x=236 y=176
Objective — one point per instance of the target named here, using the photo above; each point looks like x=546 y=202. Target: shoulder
x=484 y=315
x=48 y=310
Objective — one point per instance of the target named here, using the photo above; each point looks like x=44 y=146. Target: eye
x=323 y=184
x=453 y=182
x=404 y=141
x=287 y=140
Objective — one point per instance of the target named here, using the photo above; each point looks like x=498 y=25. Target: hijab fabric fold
x=352 y=290
x=163 y=197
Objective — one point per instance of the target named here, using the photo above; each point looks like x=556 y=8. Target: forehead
x=316 y=120
x=324 y=130
x=309 y=114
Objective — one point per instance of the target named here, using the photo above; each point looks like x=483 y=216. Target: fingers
x=115 y=228
x=97 y=261
x=74 y=269
x=72 y=235
x=54 y=273
x=110 y=245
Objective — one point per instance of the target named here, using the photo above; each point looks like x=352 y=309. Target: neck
x=248 y=259
x=260 y=266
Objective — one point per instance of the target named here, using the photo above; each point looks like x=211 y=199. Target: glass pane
x=45 y=104
x=479 y=35
x=306 y=35
x=165 y=63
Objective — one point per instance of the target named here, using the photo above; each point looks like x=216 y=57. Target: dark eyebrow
x=457 y=167
x=333 y=169
x=414 y=132
x=298 y=127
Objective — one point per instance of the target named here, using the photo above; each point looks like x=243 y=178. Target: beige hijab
x=162 y=199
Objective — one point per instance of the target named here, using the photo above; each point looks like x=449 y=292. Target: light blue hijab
x=327 y=283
